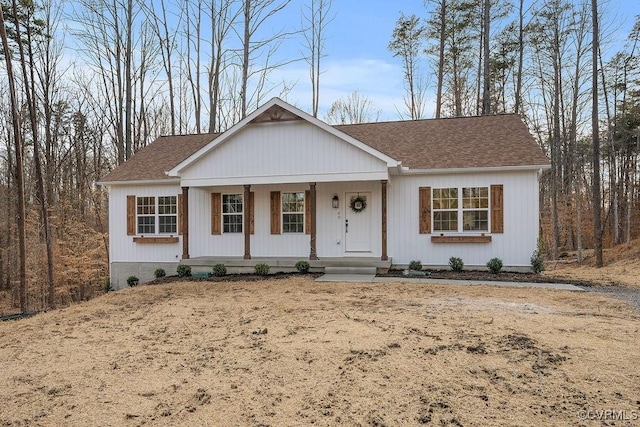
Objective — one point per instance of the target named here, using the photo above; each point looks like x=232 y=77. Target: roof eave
x=441 y=171
x=141 y=182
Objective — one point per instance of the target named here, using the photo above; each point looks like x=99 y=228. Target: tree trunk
x=518 y=94
x=579 y=218
x=486 y=91
x=245 y=58
x=555 y=148
x=29 y=81
x=597 y=204
x=443 y=33
x=128 y=112
x=15 y=119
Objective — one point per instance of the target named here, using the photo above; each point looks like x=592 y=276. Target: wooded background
x=84 y=87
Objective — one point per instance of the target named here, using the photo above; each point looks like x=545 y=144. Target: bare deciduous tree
x=597 y=220
x=407 y=43
x=19 y=171
x=317 y=18
x=355 y=108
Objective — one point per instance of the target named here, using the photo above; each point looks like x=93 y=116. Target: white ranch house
x=281 y=186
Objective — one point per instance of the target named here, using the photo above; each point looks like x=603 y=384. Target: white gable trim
x=175 y=171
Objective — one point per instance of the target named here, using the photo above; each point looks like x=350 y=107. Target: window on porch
x=232 y=213
x=293 y=212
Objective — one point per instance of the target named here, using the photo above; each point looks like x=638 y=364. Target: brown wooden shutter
x=497 y=209
x=425 y=210
x=275 y=212
x=131 y=215
x=216 y=213
x=180 y=214
x=252 y=212
x=307 y=212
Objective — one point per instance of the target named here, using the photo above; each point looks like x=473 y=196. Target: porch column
x=384 y=256
x=185 y=222
x=313 y=255
x=247 y=221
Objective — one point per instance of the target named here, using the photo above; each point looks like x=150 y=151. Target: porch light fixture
x=335 y=202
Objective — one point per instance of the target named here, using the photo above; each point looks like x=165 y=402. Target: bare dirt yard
x=295 y=352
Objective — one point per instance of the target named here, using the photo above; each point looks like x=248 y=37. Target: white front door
x=357 y=225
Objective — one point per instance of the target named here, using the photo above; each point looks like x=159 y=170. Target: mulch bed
x=243 y=277
x=433 y=274
x=486 y=275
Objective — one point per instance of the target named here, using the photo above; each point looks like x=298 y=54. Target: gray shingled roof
x=463 y=142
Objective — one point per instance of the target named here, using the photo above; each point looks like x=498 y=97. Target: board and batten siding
x=514 y=246
x=288 y=152
x=329 y=222
x=122 y=248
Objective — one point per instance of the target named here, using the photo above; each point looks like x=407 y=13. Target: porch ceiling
x=286 y=179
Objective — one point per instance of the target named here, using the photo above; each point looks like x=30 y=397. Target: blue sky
x=357 y=55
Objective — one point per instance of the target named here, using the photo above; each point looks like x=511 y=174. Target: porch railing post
x=313 y=255
x=185 y=222
x=384 y=256
x=246 y=227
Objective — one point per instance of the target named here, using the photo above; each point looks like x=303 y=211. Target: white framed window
x=167 y=214
x=475 y=209
x=293 y=212
x=232 y=213
x=161 y=211
x=445 y=209
x=460 y=209
x=146 y=215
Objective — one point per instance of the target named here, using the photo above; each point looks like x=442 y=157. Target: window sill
x=143 y=239
x=461 y=239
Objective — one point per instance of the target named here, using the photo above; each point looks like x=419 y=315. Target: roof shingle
x=451 y=143
x=151 y=162
x=462 y=142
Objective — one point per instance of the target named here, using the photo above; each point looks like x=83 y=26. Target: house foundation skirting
x=144 y=271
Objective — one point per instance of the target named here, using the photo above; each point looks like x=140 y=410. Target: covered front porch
x=330 y=226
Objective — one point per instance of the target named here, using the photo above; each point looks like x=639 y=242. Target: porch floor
x=283 y=264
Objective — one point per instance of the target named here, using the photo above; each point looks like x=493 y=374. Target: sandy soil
x=296 y=352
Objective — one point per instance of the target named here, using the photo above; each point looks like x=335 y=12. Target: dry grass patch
x=621 y=266
x=292 y=352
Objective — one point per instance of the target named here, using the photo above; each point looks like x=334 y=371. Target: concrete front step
x=350 y=270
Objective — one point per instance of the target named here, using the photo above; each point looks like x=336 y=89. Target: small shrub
x=302 y=266
x=415 y=265
x=159 y=273
x=106 y=286
x=261 y=269
x=219 y=270
x=494 y=265
x=183 y=270
x=537 y=259
x=132 y=281
x=456 y=264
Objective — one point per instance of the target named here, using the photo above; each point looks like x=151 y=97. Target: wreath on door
x=358 y=204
